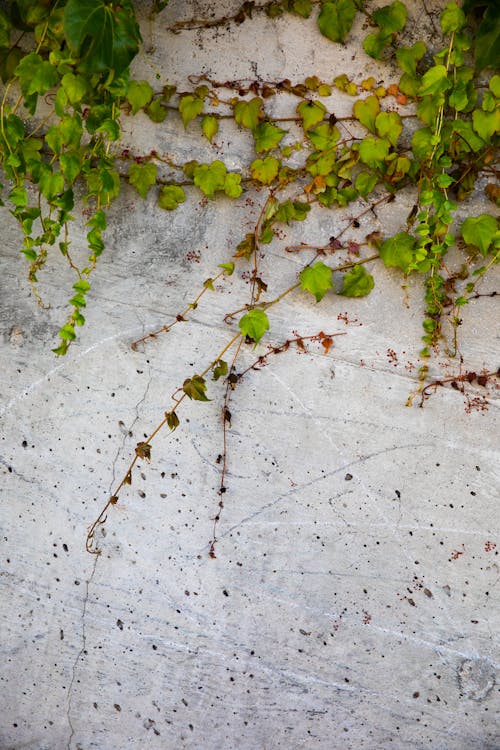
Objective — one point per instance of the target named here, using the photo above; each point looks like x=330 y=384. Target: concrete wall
x=354 y=598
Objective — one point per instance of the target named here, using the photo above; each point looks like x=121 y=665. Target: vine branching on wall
x=66 y=70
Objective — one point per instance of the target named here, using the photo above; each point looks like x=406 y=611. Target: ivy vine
x=65 y=66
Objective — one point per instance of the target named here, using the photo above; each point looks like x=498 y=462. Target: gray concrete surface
x=354 y=599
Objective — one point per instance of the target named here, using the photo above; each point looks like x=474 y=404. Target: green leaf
x=398 y=251
x=254 y=324
x=374 y=44
x=67 y=333
x=459 y=98
x=81 y=286
x=408 y=58
x=170 y=197
x=265 y=170
x=324 y=137
x=219 y=369
x=13 y=130
x=19 y=197
x=391 y=18
x=495 y=86
x=480 y=232
x=103 y=36
x=139 y=94
x=156 y=111
x=435 y=81
x=51 y=183
x=209 y=126
x=486 y=124
x=357 y=282
x=195 y=388
x=390 y=126
x=267 y=136
x=366 y=111
x=232 y=185
x=172 y=420
x=249 y=113
x=142 y=177
x=373 y=151
x=36 y=76
x=228 y=268
x=70 y=166
x=292 y=211
x=299 y=7
x=487 y=37
x=210 y=177
x=190 y=107
x=316 y=279
x=452 y=18
x=75 y=87
x=311 y=113
x=365 y=182
x=336 y=18
x=421 y=143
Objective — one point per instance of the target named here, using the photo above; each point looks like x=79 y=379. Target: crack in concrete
x=90 y=580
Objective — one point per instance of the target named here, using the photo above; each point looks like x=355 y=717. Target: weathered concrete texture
x=354 y=599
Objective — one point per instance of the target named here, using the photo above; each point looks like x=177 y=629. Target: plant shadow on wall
x=434 y=131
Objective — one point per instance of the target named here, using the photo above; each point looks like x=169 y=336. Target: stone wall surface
x=353 y=602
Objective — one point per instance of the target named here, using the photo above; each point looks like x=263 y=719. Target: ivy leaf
x=249 y=113
x=299 y=7
x=228 y=268
x=336 y=18
x=254 y=324
x=210 y=177
x=486 y=124
x=408 y=58
x=398 y=251
x=142 y=177
x=219 y=369
x=452 y=18
x=172 y=420
x=366 y=110
x=391 y=18
x=357 y=282
x=75 y=87
x=36 y=76
x=374 y=44
x=316 y=279
x=170 y=197
x=190 y=107
x=139 y=94
x=373 y=151
x=311 y=113
x=70 y=166
x=51 y=183
x=324 y=137
x=390 y=126
x=232 y=185
x=435 y=81
x=267 y=136
x=265 y=170
x=156 y=111
x=480 y=232
x=195 y=388
x=292 y=211
x=365 y=182
x=103 y=36
x=209 y=127
x=143 y=450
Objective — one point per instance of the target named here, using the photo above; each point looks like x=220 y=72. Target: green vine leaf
x=452 y=19
x=232 y=185
x=212 y=177
x=219 y=369
x=398 y=251
x=336 y=18
x=209 y=127
x=365 y=182
x=170 y=197
x=366 y=111
x=254 y=324
x=195 y=388
x=228 y=268
x=103 y=36
x=139 y=95
x=391 y=18
x=435 y=81
x=409 y=57
x=389 y=126
x=486 y=124
x=316 y=279
x=156 y=111
x=142 y=177
x=267 y=136
x=311 y=113
x=172 y=420
x=190 y=107
x=265 y=170
x=75 y=87
x=373 y=151
x=36 y=76
x=357 y=282
x=324 y=137
x=248 y=114
x=480 y=231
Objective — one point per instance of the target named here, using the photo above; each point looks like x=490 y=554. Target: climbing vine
x=68 y=87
